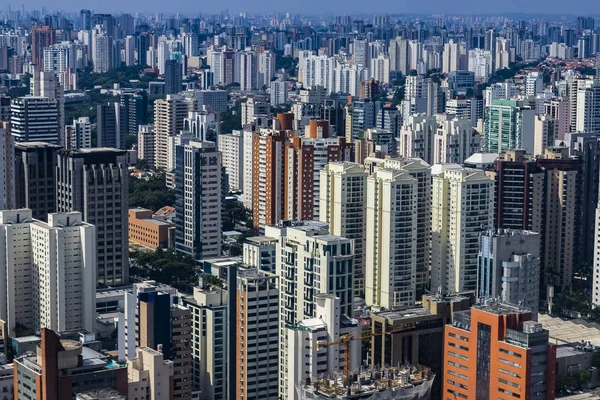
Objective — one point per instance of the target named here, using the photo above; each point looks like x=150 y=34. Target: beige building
x=391 y=240
x=150 y=376
x=462 y=207
x=544 y=133
x=146 y=144
x=342 y=205
x=455 y=140
x=169 y=114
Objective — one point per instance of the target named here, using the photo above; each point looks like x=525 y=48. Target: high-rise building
x=169 y=115
x=509 y=267
x=391 y=239
x=35 y=119
x=46 y=84
x=85 y=20
x=173 y=75
x=111 y=125
x=7 y=167
x=152 y=318
x=231 y=147
x=61 y=369
x=302 y=246
x=304 y=158
x=257 y=348
x=41 y=36
x=149 y=375
x=79 y=134
x=527 y=195
x=360 y=116
x=95 y=182
x=135 y=110
x=306 y=360
x=508 y=124
x=462 y=208
x=588 y=107
x=102 y=50
x=417 y=138
x=146 y=144
x=495 y=350
x=48 y=277
x=455 y=141
x=246 y=70
x=342 y=205
x=35 y=168
x=198 y=200
x=268 y=176
x=544 y=133
x=130 y=51
x=210 y=350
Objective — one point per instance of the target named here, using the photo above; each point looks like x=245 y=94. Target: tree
x=151 y=194
x=165 y=266
x=130 y=141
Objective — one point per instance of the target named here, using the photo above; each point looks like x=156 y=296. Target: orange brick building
x=495 y=351
x=147 y=231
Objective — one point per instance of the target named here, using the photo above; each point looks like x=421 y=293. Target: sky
x=337 y=7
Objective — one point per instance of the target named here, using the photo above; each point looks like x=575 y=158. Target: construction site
x=402 y=383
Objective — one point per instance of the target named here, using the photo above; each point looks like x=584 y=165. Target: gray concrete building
x=95 y=182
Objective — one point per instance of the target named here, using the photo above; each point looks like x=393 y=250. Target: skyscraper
x=169 y=115
x=35 y=119
x=48 y=277
x=304 y=158
x=302 y=246
x=462 y=207
x=489 y=351
x=135 y=110
x=35 y=168
x=173 y=75
x=153 y=319
x=7 y=167
x=257 y=347
x=46 y=84
x=509 y=267
x=41 y=36
x=508 y=125
x=95 y=182
x=342 y=205
x=391 y=239
x=111 y=125
x=85 y=20
x=198 y=200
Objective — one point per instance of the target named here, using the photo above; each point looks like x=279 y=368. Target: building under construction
x=403 y=383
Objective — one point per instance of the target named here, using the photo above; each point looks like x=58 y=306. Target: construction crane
x=346 y=341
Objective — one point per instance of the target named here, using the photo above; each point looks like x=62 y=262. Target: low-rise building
x=147 y=231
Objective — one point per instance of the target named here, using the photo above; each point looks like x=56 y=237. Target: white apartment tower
x=47 y=271
x=306 y=359
x=231 y=147
x=462 y=207
x=169 y=116
x=310 y=261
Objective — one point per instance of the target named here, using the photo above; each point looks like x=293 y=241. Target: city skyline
x=337 y=7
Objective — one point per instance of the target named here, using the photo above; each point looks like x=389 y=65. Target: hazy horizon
x=337 y=7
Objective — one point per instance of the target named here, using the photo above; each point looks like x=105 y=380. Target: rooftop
x=261 y=240
x=403 y=314
x=564 y=331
